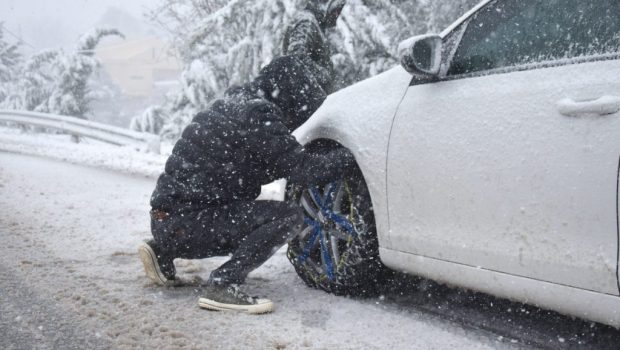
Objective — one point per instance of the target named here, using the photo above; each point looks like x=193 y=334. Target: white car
x=490 y=160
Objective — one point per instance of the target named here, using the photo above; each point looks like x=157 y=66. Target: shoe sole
x=151 y=267
x=263 y=306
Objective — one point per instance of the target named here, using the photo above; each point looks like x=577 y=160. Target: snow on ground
x=87 y=152
x=70 y=275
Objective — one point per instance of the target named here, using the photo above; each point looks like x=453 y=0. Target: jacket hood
x=290 y=85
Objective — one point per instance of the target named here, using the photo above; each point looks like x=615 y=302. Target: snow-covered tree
x=223 y=43
x=368 y=34
x=9 y=63
x=57 y=82
x=35 y=83
x=71 y=93
x=369 y=31
x=443 y=12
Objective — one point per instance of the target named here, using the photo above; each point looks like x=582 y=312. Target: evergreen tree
x=9 y=63
x=37 y=79
x=227 y=46
x=57 y=82
x=443 y=12
x=368 y=34
x=70 y=95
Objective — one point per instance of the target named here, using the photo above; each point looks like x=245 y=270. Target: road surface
x=70 y=278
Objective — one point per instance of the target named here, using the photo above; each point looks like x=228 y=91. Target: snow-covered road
x=71 y=279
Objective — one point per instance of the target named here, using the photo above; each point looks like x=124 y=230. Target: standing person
x=204 y=203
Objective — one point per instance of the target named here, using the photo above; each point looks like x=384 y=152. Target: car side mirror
x=421 y=55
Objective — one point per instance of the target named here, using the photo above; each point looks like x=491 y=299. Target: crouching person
x=204 y=203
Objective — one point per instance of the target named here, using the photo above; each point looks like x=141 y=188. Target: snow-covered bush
x=151 y=121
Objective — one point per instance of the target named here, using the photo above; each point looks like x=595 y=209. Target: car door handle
x=604 y=105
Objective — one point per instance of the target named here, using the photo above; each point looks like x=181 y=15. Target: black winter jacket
x=244 y=141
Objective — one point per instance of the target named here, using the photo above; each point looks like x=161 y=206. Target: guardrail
x=85 y=128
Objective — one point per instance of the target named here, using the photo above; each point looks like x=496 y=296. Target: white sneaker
x=153 y=266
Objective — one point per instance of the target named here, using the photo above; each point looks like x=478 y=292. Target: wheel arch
x=359 y=118
x=376 y=189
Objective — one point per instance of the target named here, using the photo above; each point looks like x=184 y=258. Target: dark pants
x=251 y=231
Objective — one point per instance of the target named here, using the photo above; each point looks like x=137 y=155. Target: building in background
x=140 y=67
x=143 y=69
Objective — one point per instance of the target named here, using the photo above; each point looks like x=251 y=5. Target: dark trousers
x=251 y=231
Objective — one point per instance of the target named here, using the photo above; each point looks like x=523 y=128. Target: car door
x=510 y=161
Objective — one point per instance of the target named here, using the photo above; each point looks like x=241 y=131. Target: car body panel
x=359 y=118
x=485 y=171
x=594 y=306
x=558 y=268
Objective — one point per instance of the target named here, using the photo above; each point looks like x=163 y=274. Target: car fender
x=359 y=118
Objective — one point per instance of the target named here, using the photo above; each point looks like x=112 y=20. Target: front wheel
x=337 y=250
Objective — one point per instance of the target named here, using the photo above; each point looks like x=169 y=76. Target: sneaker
x=158 y=267
x=231 y=298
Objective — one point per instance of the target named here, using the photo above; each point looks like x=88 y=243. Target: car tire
x=337 y=249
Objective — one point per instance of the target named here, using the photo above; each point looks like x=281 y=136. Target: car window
x=515 y=32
